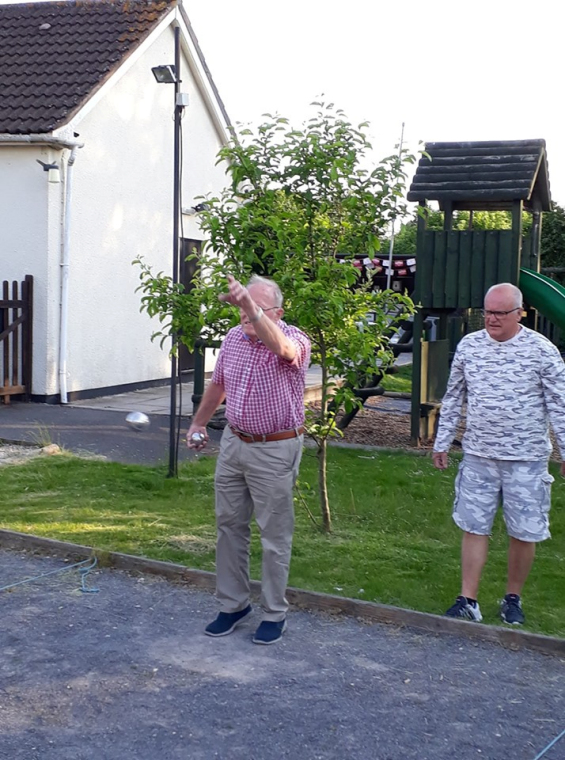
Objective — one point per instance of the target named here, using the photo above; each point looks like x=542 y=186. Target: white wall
x=122 y=208
x=30 y=235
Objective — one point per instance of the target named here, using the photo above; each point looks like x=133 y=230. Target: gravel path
x=13 y=454
x=127 y=673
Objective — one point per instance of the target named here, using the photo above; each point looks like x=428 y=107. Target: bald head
x=507 y=291
x=267 y=286
x=503 y=311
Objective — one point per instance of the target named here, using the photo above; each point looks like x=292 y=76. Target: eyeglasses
x=266 y=308
x=499 y=314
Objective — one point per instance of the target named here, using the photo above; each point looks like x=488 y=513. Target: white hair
x=265 y=282
x=511 y=289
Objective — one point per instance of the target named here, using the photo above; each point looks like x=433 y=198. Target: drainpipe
x=65 y=257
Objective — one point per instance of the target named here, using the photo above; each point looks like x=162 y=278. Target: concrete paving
x=156 y=401
x=127 y=673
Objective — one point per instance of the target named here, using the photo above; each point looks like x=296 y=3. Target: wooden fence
x=16 y=324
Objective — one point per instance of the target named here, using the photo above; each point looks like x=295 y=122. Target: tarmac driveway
x=127 y=674
x=94 y=431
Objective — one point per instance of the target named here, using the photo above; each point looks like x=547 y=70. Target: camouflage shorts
x=523 y=488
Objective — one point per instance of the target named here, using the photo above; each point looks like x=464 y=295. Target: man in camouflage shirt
x=513 y=381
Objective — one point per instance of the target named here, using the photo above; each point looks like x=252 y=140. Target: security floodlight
x=165 y=74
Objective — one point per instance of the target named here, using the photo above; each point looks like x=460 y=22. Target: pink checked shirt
x=264 y=393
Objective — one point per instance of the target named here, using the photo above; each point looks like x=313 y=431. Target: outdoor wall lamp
x=54 y=173
x=165 y=74
x=193 y=210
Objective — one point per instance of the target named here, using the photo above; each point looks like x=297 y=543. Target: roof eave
x=40 y=138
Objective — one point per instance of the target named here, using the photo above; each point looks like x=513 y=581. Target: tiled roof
x=483 y=174
x=53 y=56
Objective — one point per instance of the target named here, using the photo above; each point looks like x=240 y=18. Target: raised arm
x=265 y=325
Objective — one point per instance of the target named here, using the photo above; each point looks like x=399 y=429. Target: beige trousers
x=255 y=478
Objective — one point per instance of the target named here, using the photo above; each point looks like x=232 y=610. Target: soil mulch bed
x=373 y=426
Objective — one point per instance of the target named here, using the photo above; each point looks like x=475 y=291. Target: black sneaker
x=226 y=622
x=269 y=632
x=511 y=610
x=464 y=609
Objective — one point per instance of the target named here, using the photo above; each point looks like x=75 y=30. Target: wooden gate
x=16 y=322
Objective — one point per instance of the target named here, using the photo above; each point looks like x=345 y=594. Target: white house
x=77 y=93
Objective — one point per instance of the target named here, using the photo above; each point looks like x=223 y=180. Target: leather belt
x=254 y=438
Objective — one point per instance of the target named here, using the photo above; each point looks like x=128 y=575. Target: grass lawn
x=401 y=381
x=393 y=538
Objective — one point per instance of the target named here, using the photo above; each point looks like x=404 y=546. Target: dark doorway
x=187 y=270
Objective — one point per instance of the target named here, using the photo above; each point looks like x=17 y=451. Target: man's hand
x=238 y=294
x=439 y=459
x=198 y=445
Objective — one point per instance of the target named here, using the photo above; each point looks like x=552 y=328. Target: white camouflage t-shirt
x=513 y=389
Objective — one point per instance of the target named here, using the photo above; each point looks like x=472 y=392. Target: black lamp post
x=171 y=75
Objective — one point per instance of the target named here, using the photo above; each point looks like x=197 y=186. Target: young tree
x=301 y=204
x=553 y=238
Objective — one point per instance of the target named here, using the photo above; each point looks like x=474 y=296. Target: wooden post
x=517 y=208
x=448 y=215
x=27 y=342
x=536 y=236
x=417 y=334
x=533 y=320
x=199 y=369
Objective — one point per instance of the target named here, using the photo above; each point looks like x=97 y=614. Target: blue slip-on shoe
x=226 y=622
x=269 y=632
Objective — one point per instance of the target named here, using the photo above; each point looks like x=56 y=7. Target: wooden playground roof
x=483 y=175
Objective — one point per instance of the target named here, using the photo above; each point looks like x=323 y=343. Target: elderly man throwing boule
x=261 y=372
x=513 y=380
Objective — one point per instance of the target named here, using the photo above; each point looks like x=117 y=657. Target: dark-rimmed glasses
x=498 y=314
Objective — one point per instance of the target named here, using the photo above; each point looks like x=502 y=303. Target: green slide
x=545 y=295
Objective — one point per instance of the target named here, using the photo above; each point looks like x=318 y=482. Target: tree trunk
x=322 y=452
x=323 y=486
